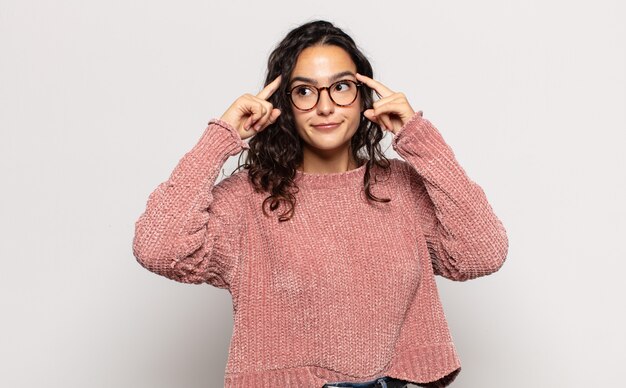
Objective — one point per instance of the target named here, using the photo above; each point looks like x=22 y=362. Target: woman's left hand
x=391 y=111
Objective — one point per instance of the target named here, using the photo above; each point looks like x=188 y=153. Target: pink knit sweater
x=344 y=290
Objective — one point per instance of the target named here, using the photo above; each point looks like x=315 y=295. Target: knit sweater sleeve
x=191 y=229
x=464 y=237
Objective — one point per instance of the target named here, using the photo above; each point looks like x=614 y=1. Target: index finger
x=379 y=88
x=269 y=89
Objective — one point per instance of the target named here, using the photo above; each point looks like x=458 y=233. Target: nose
x=325 y=105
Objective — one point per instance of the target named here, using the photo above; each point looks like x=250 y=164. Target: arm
x=465 y=238
x=190 y=229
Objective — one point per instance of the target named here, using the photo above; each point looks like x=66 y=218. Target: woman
x=328 y=248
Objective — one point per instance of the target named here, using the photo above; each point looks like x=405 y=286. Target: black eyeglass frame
x=319 y=93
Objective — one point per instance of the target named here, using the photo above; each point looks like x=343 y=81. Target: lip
x=326 y=126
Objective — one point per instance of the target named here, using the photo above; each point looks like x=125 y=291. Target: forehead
x=322 y=62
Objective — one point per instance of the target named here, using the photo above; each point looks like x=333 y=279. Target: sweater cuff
x=231 y=130
x=421 y=129
x=415 y=120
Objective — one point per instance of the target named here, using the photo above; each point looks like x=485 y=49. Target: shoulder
x=231 y=190
x=397 y=165
x=235 y=183
x=406 y=176
x=403 y=170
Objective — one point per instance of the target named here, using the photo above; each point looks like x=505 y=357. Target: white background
x=99 y=101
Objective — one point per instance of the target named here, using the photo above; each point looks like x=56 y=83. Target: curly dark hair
x=276 y=151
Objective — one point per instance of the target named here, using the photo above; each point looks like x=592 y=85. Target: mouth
x=326 y=125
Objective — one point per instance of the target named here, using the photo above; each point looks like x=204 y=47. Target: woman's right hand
x=251 y=114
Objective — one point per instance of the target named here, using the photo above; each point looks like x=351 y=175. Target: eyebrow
x=314 y=82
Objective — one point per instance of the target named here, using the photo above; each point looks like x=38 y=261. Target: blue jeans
x=381 y=382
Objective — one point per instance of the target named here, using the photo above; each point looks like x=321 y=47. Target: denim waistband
x=381 y=382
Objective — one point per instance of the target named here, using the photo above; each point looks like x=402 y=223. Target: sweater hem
x=431 y=365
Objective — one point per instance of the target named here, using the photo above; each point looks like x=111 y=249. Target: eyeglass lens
x=341 y=92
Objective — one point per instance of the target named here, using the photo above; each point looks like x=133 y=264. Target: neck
x=325 y=166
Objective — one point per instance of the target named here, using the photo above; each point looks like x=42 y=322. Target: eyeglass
x=342 y=93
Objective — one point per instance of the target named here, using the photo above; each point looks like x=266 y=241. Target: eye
x=343 y=86
x=303 y=90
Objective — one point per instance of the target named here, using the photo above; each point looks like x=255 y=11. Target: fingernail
x=257 y=127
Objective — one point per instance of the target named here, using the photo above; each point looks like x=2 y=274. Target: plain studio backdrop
x=100 y=100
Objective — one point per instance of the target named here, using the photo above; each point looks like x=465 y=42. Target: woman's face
x=321 y=66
